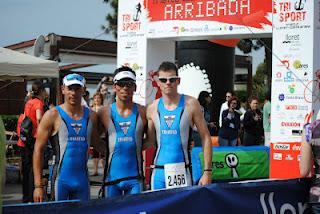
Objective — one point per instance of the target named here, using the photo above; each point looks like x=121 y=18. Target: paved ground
x=13 y=188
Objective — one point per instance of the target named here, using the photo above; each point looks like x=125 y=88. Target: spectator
x=267 y=119
x=103 y=88
x=34 y=110
x=204 y=100
x=228 y=133
x=97 y=104
x=86 y=97
x=252 y=123
x=224 y=106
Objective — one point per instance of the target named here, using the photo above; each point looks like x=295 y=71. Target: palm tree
x=112 y=19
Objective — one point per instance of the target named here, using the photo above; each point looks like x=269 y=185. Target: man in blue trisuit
x=170 y=119
x=123 y=122
x=70 y=127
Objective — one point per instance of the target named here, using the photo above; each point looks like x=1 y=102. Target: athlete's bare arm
x=151 y=131
x=95 y=135
x=306 y=161
x=47 y=127
x=197 y=118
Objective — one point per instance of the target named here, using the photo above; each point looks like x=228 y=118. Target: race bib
x=175 y=175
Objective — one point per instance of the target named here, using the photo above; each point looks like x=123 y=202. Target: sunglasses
x=74 y=77
x=170 y=79
x=128 y=84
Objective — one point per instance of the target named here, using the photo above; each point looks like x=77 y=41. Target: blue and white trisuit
x=173 y=144
x=123 y=171
x=69 y=175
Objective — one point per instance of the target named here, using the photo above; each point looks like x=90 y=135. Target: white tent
x=15 y=65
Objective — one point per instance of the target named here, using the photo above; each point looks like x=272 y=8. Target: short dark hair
x=123 y=68
x=252 y=98
x=167 y=66
x=202 y=98
x=230 y=92
x=37 y=88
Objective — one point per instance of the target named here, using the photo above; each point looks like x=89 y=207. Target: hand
x=38 y=195
x=205 y=178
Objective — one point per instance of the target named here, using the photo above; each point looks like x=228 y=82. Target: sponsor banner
x=233 y=163
x=292 y=69
x=132 y=42
x=286 y=156
x=276 y=196
x=201 y=17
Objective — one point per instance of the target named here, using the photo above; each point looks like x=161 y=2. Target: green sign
x=238 y=165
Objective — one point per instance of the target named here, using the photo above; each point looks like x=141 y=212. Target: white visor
x=124 y=75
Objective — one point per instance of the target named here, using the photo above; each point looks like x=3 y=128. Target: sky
x=22 y=20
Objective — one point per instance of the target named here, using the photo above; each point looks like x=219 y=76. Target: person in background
x=224 y=106
x=204 y=99
x=34 y=109
x=86 y=97
x=103 y=88
x=228 y=133
x=310 y=161
x=97 y=104
x=252 y=123
x=267 y=119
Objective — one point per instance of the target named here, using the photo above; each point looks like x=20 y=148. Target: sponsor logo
x=278 y=74
x=281 y=97
x=291 y=88
x=277 y=156
x=294 y=97
x=296 y=147
x=268 y=204
x=169 y=119
x=292 y=12
x=290 y=124
x=291 y=107
x=288 y=77
x=76 y=127
x=298 y=65
x=125 y=126
x=289 y=39
x=289 y=157
x=285 y=63
x=281 y=146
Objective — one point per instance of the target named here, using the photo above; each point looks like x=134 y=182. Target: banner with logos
x=285 y=196
x=182 y=18
x=233 y=163
x=294 y=89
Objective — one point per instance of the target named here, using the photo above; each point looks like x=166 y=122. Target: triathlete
x=70 y=128
x=124 y=123
x=170 y=120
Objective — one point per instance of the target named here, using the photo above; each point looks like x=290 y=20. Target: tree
x=260 y=88
x=112 y=18
x=247 y=45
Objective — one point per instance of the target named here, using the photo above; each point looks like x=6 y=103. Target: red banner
x=252 y=13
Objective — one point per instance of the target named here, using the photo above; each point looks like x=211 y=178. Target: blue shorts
x=128 y=187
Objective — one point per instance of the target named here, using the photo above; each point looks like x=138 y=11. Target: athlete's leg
x=157 y=179
x=62 y=190
x=112 y=190
x=81 y=191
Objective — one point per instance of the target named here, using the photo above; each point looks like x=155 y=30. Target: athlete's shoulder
x=152 y=107
x=190 y=100
x=50 y=116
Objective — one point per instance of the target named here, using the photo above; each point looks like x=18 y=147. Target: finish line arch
x=148 y=29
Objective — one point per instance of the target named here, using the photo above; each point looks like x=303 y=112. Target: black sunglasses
x=171 y=79
x=122 y=84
